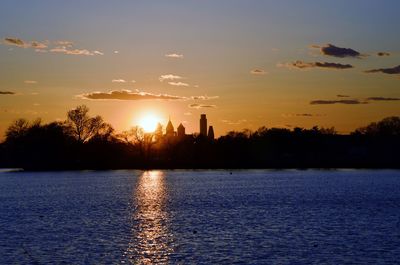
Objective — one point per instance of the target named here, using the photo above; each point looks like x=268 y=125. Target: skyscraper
x=211 y=133
x=203 y=125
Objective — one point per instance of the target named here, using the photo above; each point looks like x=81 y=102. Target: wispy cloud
x=258 y=72
x=390 y=71
x=178 y=84
x=335 y=51
x=38 y=45
x=6 y=93
x=30 y=82
x=353 y=101
x=204 y=97
x=128 y=95
x=118 y=81
x=343 y=101
x=64 y=47
x=67 y=51
x=174 y=56
x=237 y=122
x=326 y=65
x=201 y=106
x=171 y=77
x=64 y=43
x=342 y=96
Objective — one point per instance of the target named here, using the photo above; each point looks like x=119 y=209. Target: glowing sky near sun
x=244 y=63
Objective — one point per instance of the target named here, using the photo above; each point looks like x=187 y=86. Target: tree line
x=85 y=142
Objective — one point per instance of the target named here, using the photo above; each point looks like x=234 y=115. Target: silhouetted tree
x=389 y=126
x=17 y=129
x=84 y=127
x=84 y=142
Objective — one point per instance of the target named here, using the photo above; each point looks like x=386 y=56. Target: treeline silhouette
x=85 y=142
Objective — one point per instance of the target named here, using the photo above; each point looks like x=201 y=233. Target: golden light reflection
x=151 y=239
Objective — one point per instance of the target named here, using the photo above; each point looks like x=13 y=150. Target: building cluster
x=181 y=133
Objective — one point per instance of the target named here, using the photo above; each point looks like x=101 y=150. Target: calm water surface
x=200 y=217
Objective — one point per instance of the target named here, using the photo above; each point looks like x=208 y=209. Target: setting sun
x=149 y=122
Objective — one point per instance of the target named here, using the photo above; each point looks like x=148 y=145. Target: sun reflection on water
x=152 y=242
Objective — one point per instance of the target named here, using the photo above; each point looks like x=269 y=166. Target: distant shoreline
x=8 y=170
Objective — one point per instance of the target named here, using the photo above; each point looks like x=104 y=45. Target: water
x=200 y=217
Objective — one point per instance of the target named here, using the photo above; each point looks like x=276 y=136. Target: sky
x=245 y=64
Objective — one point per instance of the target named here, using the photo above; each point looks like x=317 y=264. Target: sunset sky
x=244 y=63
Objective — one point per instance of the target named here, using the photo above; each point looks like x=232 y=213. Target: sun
x=149 y=122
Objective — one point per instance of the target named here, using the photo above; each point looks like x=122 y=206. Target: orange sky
x=245 y=65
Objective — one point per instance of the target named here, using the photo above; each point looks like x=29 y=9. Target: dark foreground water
x=200 y=217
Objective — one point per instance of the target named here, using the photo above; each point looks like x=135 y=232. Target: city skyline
x=245 y=64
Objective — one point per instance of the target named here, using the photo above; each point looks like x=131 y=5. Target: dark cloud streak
x=382 y=99
x=326 y=65
x=343 y=101
x=390 y=71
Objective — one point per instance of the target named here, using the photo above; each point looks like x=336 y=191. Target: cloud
x=169 y=77
x=15 y=41
x=30 y=82
x=66 y=50
x=201 y=106
x=38 y=45
x=6 y=93
x=65 y=47
x=302 y=115
x=326 y=65
x=383 y=54
x=234 y=122
x=133 y=81
x=258 y=72
x=178 y=84
x=342 y=96
x=204 y=97
x=127 y=95
x=343 y=101
x=382 y=99
x=118 y=81
x=187 y=113
x=334 y=51
x=174 y=56
x=64 y=43
x=353 y=101
x=390 y=71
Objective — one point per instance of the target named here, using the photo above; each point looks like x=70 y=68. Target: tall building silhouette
x=169 y=130
x=181 y=131
x=203 y=125
x=210 y=133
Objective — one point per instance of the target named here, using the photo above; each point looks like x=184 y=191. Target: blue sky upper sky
x=233 y=60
